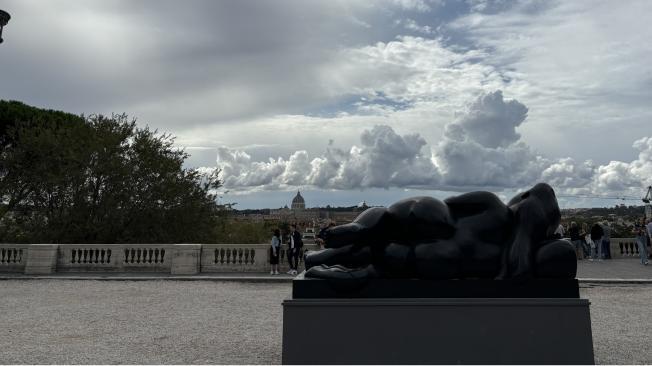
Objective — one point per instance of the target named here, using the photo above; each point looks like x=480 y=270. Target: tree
x=71 y=179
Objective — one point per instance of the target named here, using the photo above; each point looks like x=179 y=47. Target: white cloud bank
x=480 y=149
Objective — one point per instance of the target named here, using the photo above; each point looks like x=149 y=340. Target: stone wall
x=163 y=258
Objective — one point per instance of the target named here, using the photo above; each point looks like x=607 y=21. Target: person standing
x=641 y=234
x=294 y=249
x=606 y=239
x=576 y=239
x=596 y=236
x=559 y=233
x=649 y=231
x=586 y=246
x=274 y=252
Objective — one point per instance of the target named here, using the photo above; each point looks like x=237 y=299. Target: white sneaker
x=275 y=272
x=271 y=272
x=289 y=272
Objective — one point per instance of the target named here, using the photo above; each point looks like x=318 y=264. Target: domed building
x=298 y=203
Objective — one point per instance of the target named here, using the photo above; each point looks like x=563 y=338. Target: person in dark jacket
x=294 y=249
x=596 y=236
x=576 y=239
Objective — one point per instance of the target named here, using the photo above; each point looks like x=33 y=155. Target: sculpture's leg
x=369 y=227
x=556 y=259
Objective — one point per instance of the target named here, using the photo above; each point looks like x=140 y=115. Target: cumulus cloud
x=383 y=159
x=480 y=149
x=490 y=121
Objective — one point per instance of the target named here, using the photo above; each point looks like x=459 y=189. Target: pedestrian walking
x=274 y=252
x=576 y=239
x=640 y=231
x=596 y=237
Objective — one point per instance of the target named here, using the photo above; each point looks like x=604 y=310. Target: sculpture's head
x=543 y=197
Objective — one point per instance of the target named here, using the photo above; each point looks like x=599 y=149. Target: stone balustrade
x=170 y=258
x=623 y=247
x=13 y=257
x=163 y=258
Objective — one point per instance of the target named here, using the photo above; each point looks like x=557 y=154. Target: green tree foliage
x=70 y=179
x=245 y=232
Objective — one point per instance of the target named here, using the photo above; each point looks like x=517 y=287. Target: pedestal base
x=437 y=331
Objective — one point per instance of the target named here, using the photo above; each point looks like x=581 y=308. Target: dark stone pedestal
x=314 y=288
x=437 y=331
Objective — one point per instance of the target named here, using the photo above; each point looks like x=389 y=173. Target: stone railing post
x=186 y=259
x=41 y=259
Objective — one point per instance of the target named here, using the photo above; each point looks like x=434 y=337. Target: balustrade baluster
x=156 y=253
x=228 y=255
x=246 y=256
x=222 y=255
x=216 y=255
x=108 y=256
x=253 y=255
x=102 y=254
x=85 y=255
x=20 y=255
x=162 y=255
x=240 y=256
x=96 y=254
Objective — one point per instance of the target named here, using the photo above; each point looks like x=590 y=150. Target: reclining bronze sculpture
x=473 y=235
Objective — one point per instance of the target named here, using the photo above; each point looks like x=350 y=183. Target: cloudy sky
x=359 y=100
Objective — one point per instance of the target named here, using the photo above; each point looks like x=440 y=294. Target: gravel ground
x=205 y=322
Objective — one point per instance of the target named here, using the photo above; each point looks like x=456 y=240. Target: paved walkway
x=218 y=322
x=627 y=270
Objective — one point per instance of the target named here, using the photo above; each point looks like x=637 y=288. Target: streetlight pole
x=4 y=19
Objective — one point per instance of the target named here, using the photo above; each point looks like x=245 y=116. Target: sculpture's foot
x=342 y=278
x=338 y=272
x=556 y=259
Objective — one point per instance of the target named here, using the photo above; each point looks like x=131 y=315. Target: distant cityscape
x=620 y=217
